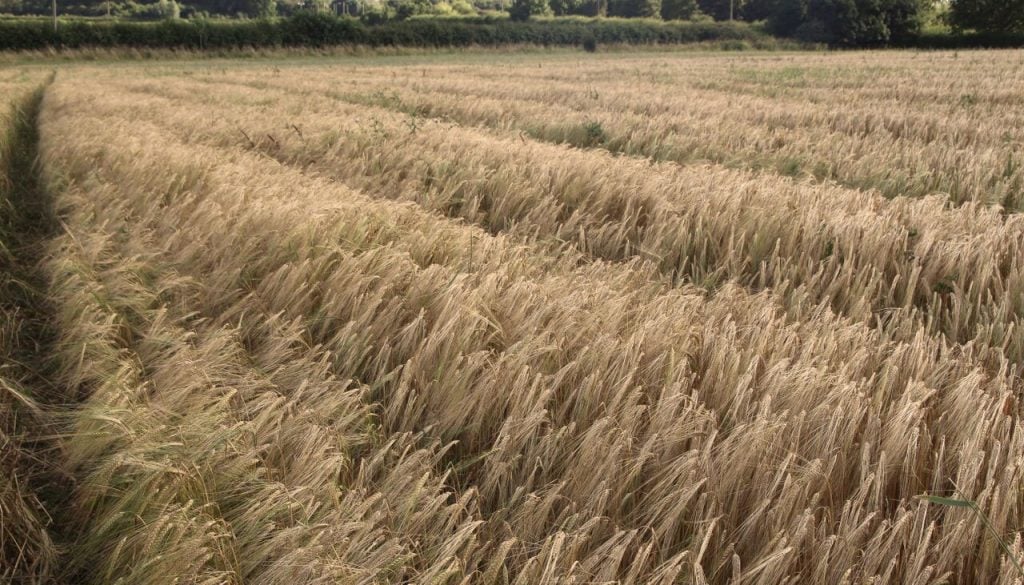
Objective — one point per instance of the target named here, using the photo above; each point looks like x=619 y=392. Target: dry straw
x=318 y=342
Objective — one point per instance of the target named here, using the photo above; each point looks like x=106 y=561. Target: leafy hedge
x=318 y=30
x=972 y=40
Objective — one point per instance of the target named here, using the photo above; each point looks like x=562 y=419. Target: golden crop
x=27 y=551
x=641 y=318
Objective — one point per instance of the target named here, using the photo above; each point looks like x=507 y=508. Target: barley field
x=533 y=319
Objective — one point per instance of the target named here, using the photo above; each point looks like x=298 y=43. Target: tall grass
x=286 y=378
x=926 y=137
x=904 y=265
x=27 y=550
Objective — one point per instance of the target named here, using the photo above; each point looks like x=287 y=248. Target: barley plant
x=639 y=318
x=27 y=548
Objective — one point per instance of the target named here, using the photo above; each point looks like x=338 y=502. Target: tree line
x=834 y=22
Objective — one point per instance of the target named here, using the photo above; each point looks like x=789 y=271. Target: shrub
x=590 y=44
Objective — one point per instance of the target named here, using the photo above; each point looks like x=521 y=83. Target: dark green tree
x=649 y=8
x=759 y=9
x=402 y=9
x=635 y=8
x=847 y=22
x=595 y=8
x=525 y=9
x=721 y=9
x=567 y=7
x=906 y=18
x=678 y=9
x=251 y=8
x=987 y=15
x=263 y=8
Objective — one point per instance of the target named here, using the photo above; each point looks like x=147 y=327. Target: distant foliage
x=835 y=22
x=846 y=22
x=524 y=9
x=720 y=9
x=170 y=9
x=966 y=40
x=570 y=7
x=999 y=16
x=316 y=30
x=403 y=9
x=842 y=23
x=678 y=9
x=635 y=8
x=462 y=7
x=649 y=9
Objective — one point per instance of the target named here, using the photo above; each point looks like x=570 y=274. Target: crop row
x=320 y=385
x=968 y=150
x=903 y=265
x=27 y=549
